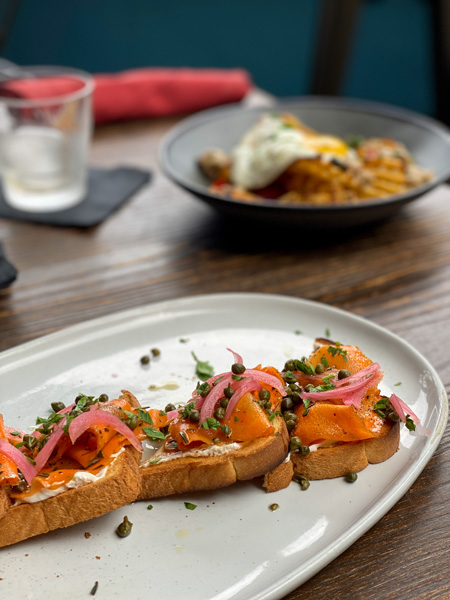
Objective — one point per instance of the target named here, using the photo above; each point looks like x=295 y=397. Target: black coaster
x=7 y=272
x=107 y=190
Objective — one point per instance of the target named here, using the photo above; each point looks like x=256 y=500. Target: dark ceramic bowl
x=426 y=139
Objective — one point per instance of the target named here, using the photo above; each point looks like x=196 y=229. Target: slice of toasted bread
x=118 y=487
x=242 y=462
x=340 y=459
x=279 y=478
x=5 y=502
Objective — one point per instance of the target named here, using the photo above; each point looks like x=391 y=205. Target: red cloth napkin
x=147 y=92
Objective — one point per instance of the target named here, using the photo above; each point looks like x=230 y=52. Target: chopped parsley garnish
x=203 y=369
x=398 y=383
x=237 y=377
x=190 y=506
x=410 y=423
x=145 y=416
x=303 y=365
x=307 y=403
x=273 y=414
x=153 y=433
x=325 y=363
x=298 y=332
x=327 y=332
x=186 y=411
x=150 y=507
x=211 y=423
x=218 y=380
x=203 y=389
x=382 y=407
x=336 y=350
x=324 y=387
x=16 y=433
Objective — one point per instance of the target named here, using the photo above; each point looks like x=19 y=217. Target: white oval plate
x=231 y=546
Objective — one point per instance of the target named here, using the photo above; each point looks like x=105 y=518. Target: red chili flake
x=87 y=535
x=98 y=557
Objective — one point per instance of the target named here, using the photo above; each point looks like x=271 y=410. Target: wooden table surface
x=165 y=244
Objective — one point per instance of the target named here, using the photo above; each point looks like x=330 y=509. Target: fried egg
x=274 y=143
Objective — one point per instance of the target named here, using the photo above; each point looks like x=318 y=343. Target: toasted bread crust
x=118 y=487
x=337 y=461
x=190 y=474
x=279 y=478
x=4 y=501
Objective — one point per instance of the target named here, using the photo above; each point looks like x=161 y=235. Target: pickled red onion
x=271 y=380
x=207 y=409
x=237 y=357
x=100 y=417
x=402 y=409
x=46 y=451
x=20 y=460
x=248 y=386
x=353 y=392
x=370 y=370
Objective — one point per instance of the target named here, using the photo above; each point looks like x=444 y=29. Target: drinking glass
x=45 y=131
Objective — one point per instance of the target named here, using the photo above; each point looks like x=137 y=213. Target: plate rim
x=341 y=103
x=320 y=559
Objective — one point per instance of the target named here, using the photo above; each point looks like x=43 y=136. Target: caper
x=238 y=368
x=309 y=387
x=145 y=359
x=295 y=443
x=294 y=387
x=264 y=394
x=228 y=391
x=57 y=406
x=219 y=413
x=296 y=398
x=103 y=398
x=319 y=368
x=21 y=486
x=225 y=429
x=287 y=403
x=343 y=373
x=289 y=416
x=224 y=402
x=304 y=450
x=155 y=351
x=267 y=404
x=170 y=407
x=289 y=365
x=124 y=528
x=205 y=389
x=132 y=422
x=290 y=425
x=302 y=481
x=194 y=415
x=274 y=507
x=289 y=377
x=351 y=477
x=393 y=416
x=30 y=441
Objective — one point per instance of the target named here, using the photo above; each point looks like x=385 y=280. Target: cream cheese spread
x=215 y=450
x=80 y=479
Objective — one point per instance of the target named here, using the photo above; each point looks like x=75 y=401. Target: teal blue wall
x=391 y=59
